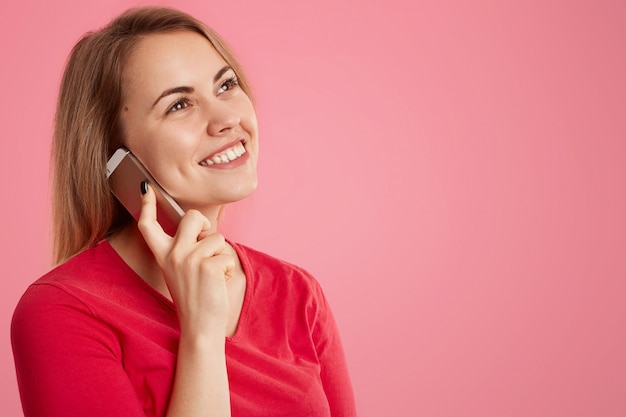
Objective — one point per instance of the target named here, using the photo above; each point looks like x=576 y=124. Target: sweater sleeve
x=67 y=361
x=333 y=367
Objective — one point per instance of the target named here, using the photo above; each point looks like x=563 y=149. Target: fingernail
x=144 y=187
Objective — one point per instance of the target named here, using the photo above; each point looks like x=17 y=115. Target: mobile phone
x=125 y=174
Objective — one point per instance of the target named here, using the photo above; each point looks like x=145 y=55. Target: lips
x=226 y=154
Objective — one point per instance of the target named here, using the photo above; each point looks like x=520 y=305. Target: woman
x=135 y=322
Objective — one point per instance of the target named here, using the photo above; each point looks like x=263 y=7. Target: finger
x=192 y=227
x=205 y=250
x=206 y=231
x=210 y=254
x=213 y=244
x=222 y=264
x=229 y=267
x=148 y=225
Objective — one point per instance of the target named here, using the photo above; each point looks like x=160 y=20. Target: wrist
x=201 y=339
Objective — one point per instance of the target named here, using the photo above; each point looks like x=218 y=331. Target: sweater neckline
x=247 y=270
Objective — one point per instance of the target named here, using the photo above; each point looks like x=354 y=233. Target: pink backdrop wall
x=452 y=172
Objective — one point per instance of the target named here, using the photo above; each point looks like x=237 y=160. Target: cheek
x=131 y=131
x=250 y=119
x=135 y=140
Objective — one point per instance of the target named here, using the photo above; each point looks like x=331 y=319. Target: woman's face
x=185 y=117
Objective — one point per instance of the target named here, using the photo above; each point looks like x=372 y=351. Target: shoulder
x=260 y=258
x=269 y=270
x=50 y=306
x=86 y=296
x=83 y=267
x=88 y=272
x=262 y=262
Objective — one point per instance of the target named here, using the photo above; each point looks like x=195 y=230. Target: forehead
x=165 y=60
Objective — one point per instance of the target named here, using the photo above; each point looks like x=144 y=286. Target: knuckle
x=143 y=225
x=218 y=239
x=194 y=214
x=207 y=267
x=175 y=258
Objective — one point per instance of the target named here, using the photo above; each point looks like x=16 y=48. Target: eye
x=229 y=84
x=180 y=104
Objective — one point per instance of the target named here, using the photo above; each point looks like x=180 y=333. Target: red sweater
x=91 y=338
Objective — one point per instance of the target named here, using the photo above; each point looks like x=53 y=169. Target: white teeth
x=226 y=157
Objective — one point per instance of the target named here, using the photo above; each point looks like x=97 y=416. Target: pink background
x=453 y=174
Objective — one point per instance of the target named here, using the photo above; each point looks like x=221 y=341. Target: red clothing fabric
x=91 y=338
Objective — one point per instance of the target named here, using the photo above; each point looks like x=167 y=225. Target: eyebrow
x=220 y=73
x=189 y=90
x=175 y=90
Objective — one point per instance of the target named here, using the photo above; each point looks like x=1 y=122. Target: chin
x=242 y=194
x=233 y=194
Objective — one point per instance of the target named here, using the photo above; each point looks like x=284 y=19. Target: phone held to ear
x=125 y=174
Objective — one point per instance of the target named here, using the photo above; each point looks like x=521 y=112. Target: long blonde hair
x=87 y=127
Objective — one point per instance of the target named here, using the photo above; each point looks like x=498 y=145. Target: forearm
x=201 y=381
x=195 y=268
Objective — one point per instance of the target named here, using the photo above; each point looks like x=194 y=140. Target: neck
x=132 y=248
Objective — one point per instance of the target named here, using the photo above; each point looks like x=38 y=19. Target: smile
x=226 y=156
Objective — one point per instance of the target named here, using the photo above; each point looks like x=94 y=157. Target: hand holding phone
x=125 y=174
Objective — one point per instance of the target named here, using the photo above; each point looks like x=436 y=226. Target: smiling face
x=186 y=119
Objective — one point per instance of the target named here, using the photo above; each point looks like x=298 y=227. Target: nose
x=222 y=118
